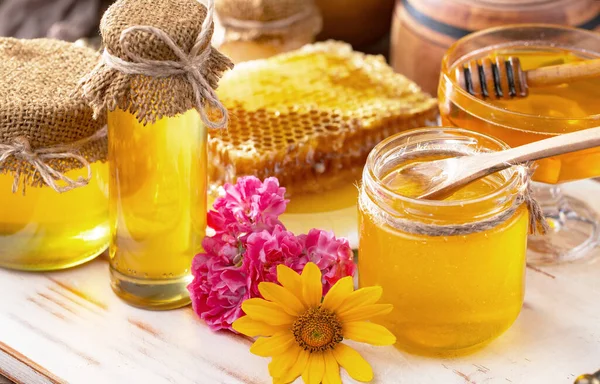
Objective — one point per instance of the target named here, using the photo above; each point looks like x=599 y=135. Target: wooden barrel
x=423 y=30
x=358 y=22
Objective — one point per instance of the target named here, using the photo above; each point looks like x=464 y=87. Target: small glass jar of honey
x=53 y=171
x=454 y=268
x=545 y=112
x=250 y=30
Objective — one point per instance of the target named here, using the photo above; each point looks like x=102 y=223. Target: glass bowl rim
x=471 y=98
x=510 y=182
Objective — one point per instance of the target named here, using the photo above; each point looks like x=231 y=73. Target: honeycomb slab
x=310 y=117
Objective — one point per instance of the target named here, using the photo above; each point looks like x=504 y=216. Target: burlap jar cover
x=246 y=20
x=158 y=61
x=44 y=130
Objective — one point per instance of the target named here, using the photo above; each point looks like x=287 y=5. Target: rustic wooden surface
x=68 y=327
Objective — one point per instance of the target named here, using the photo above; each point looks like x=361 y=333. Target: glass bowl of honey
x=546 y=111
x=453 y=269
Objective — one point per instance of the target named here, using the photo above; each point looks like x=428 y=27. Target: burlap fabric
x=44 y=131
x=156 y=96
x=255 y=19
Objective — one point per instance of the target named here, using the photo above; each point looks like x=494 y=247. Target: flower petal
x=250 y=327
x=278 y=294
x=357 y=367
x=365 y=312
x=265 y=311
x=336 y=295
x=363 y=296
x=332 y=369
x=365 y=332
x=281 y=364
x=313 y=374
x=274 y=345
x=290 y=280
x=312 y=288
x=298 y=368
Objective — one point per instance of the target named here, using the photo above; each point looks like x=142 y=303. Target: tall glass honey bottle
x=156 y=83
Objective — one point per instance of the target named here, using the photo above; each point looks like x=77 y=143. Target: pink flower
x=265 y=250
x=224 y=246
x=249 y=205
x=333 y=256
x=217 y=291
x=248 y=245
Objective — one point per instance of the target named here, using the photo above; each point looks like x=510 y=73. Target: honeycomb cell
x=311 y=116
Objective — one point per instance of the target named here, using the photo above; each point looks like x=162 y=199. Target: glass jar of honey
x=53 y=174
x=545 y=112
x=454 y=268
x=251 y=30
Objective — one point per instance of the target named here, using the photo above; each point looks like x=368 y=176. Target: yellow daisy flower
x=303 y=333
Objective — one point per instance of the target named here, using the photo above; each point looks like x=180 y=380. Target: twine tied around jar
x=275 y=21
x=537 y=221
x=20 y=148
x=188 y=64
x=230 y=22
x=45 y=132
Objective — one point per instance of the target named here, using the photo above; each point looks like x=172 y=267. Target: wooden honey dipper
x=503 y=78
x=440 y=178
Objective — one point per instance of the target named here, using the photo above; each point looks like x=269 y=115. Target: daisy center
x=317 y=330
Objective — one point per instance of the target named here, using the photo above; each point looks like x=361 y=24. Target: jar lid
x=245 y=20
x=157 y=60
x=45 y=130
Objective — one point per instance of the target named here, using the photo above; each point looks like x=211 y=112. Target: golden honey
x=45 y=230
x=240 y=51
x=546 y=112
x=311 y=116
x=157 y=206
x=452 y=292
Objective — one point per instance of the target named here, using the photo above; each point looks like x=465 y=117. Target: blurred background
x=412 y=34
x=361 y=22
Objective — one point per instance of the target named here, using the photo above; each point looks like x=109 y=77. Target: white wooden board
x=68 y=327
